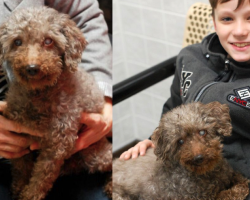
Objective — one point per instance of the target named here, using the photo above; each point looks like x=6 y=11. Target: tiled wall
x=145 y=32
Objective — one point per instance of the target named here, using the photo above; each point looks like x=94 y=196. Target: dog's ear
x=160 y=143
x=76 y=43
x=218 y=114
x=2 y=31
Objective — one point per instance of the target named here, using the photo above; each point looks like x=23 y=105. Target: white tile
x=123 y=132
x=153 y=24
x=127 y=131
x=158 y=105
x=118 y=52
x=135 y=2
x=173 y=50
x=156 y=52
x=177 y=6
x=125 y=108
x=162 y=89
x=157 y=4
x=134 y=68
x=143 y=105
x=174 y=28
x=145 y=128
x=135 y=49
x=119 y=72
x=116 y=19
x=131 y=19
x=116 y=113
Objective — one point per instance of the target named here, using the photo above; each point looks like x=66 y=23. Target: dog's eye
x=202 y=133
x=48 y=42
x=181 y=141
x=18 y=42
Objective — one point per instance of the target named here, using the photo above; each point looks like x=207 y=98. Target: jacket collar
x=11 y=5
x=211 y=46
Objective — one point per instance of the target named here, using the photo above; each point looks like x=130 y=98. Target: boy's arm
x=97 y=57
x=175 y=99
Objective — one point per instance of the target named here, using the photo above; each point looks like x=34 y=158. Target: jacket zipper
x=202 y=91
x=227 y=63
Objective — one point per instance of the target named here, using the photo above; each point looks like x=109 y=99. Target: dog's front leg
x=21 y=172
x=47 y=168
x=45 y=172
x=238 y=191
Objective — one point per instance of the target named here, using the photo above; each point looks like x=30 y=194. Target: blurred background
x=145 y=33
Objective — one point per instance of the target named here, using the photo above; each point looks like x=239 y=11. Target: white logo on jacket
x=185 y=82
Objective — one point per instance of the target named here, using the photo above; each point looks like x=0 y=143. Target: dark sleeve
x=175 y=98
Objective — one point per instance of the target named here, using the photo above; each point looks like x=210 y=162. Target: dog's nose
x=198 y=159
x=32 y=69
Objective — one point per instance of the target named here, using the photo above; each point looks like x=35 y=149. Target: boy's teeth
x=241 y=44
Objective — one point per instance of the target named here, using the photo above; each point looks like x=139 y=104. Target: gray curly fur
x=170 y=171
x=50 y=102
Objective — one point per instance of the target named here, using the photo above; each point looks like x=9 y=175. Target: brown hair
x=214 y=3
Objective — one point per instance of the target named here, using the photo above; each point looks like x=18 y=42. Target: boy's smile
x=233 y=28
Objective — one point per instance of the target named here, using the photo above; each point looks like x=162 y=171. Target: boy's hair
x=214 y=3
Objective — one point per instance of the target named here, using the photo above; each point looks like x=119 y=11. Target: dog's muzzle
x=32 y=70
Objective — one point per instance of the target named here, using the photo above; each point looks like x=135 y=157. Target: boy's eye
x=227 y=19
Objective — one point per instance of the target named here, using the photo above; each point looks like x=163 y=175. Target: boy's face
x=233 y=28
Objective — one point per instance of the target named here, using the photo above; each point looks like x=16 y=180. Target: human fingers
x=126 y=155
x=142 y=149
x=92 y=119
x=34 y=146
x=88 y=137
x=5 y=147
x=135 y=151
x=7 y=137
x=3 y=106
x=17 y=128
x=11 y=155
x=122 y=155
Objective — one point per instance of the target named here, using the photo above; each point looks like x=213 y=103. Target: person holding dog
x=217 y=70
x=96 y=60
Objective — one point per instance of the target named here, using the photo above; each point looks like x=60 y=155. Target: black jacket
x=204 y=73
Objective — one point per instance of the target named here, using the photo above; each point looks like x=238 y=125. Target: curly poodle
x=40 y=50
x=187 y=162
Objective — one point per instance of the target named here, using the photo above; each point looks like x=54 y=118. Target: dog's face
x=38 y=44
x=191 y=134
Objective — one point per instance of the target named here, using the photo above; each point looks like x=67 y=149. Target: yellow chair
x=199 y=23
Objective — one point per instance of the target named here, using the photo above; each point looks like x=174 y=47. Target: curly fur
x=51 y=100
x=186 y=163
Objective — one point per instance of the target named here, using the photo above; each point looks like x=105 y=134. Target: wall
x=145 y=32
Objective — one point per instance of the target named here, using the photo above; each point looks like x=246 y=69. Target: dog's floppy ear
x=2 y=31
x=219 y=114
x=76 y=43
x=160 y=144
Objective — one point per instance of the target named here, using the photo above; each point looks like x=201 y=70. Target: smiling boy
x=218 y=69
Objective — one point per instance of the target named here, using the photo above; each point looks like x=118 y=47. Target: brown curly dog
x=40 y=49
x=187 y=162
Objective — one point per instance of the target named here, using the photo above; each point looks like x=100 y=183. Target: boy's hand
x=97 y=126
x=13 y=144
x=139 y=148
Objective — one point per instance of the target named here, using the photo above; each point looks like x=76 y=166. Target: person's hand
x=97 y=126
x=12 y=143
x=139 y=148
